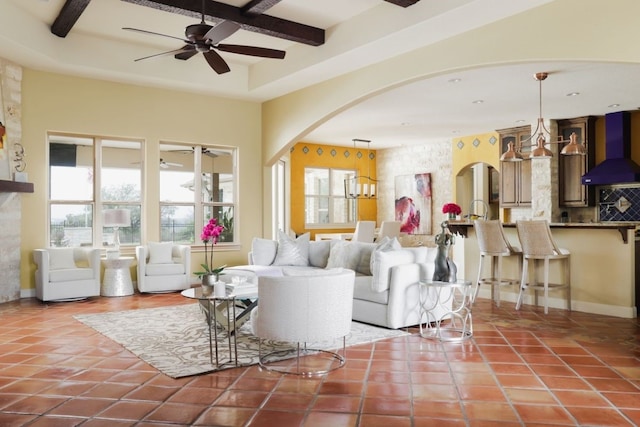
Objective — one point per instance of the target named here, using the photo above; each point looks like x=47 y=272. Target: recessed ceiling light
x=456 y=80
x=405 y=124
x=613 y=105
x=478 y=101
x=573 y=94
x=455 y=131
x=520 y=121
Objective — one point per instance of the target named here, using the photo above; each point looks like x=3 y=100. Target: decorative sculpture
x=445 y=268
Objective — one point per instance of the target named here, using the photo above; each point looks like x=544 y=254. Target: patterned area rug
x=175 y=339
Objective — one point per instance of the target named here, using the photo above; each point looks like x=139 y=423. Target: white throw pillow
x=61 y=259
x=385 y=245
x=160 y=253
x=292 y=252
x=343 y=255
x=319 y=253
x=383 y=262
x=263 y=251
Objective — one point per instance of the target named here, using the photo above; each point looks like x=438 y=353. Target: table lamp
x=117 y=218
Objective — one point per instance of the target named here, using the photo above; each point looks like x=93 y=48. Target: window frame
x=197 y=203
x=96 y=202
x=332 y=224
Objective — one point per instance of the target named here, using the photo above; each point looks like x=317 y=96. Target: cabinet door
x=509 y=184
x=524 y=183
x=571 y=192
x=508 y=176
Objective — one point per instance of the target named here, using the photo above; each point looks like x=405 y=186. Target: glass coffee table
x=445 y=310
x=228 y=312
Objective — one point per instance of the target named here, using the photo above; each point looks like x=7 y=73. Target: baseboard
x=28 y=293
x=554 y=302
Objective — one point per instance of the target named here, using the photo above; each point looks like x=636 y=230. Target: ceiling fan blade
x=187 y=52
x=262 y=52
x=155 y=34
x=216 y=62
x=170 y=52
x=221 y=31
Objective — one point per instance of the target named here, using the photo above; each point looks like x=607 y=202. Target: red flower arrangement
x=451 y=208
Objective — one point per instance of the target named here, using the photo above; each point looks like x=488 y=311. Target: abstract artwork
x=413 y=203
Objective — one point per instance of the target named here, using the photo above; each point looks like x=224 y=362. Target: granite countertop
x=460 y=227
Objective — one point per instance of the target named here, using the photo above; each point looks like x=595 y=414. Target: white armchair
x=67 y=274
x=304 y=309
x=163 y=267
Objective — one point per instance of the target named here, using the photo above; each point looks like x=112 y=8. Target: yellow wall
x=305 y=154
x=472 y=149
x=53 y=102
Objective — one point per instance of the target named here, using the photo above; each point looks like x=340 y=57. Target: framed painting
x=413 y=203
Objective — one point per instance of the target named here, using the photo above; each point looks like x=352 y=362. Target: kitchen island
x=603 y=263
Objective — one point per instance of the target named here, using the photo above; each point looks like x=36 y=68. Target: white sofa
x=386 y=289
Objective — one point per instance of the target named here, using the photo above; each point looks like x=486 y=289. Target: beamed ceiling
x=324 y=40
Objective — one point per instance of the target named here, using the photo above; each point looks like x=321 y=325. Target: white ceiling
x=358 y=33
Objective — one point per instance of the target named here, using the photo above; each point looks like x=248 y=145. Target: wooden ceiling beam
x=68 y=16
x=261 y=24
x=258 y=7
x=403 y=3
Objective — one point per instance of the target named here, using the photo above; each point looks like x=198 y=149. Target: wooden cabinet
x=571 y=192
x=515 y=177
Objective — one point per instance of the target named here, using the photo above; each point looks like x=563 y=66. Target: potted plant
x=209 y=275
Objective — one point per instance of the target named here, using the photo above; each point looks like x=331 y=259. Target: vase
x=452 y=215
x=208 y=281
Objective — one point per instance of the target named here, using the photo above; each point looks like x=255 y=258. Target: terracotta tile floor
x=520 y=368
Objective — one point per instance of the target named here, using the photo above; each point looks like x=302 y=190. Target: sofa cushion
x=292 y=252
x=263 y=251
x=160 y=253
x=61 y=259
x=383 y=262
x=164 y=269
x=384 y=245
x=319 y=253
x=352 y=255
x=67 y=275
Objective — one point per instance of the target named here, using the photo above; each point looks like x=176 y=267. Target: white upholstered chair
x=163 y=267
x=66 y=274
x=302 y=310
x=538 y=246
x=364 y=232
x=493 y=244
x=389 y=229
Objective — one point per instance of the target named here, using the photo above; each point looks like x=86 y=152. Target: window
x=187 y=202
x=325 y=204
x=88 y=175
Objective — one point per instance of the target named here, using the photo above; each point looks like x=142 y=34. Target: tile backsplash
x=607 y=197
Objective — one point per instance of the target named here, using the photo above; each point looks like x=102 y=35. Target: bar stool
x=538 y=246
x=494 y=244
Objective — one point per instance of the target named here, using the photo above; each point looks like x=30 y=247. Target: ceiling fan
x=166 y=165
x=204 y=150
x=206 y=39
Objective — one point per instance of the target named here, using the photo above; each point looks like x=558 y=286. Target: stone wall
x=431 y=157
x=10 y=203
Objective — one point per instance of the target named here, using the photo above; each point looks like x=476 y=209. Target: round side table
x=117 y=277
x=445 y=309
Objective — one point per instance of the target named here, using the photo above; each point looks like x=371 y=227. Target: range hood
x=618 y=168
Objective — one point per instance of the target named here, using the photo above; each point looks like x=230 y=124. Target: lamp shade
x=117 y=218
